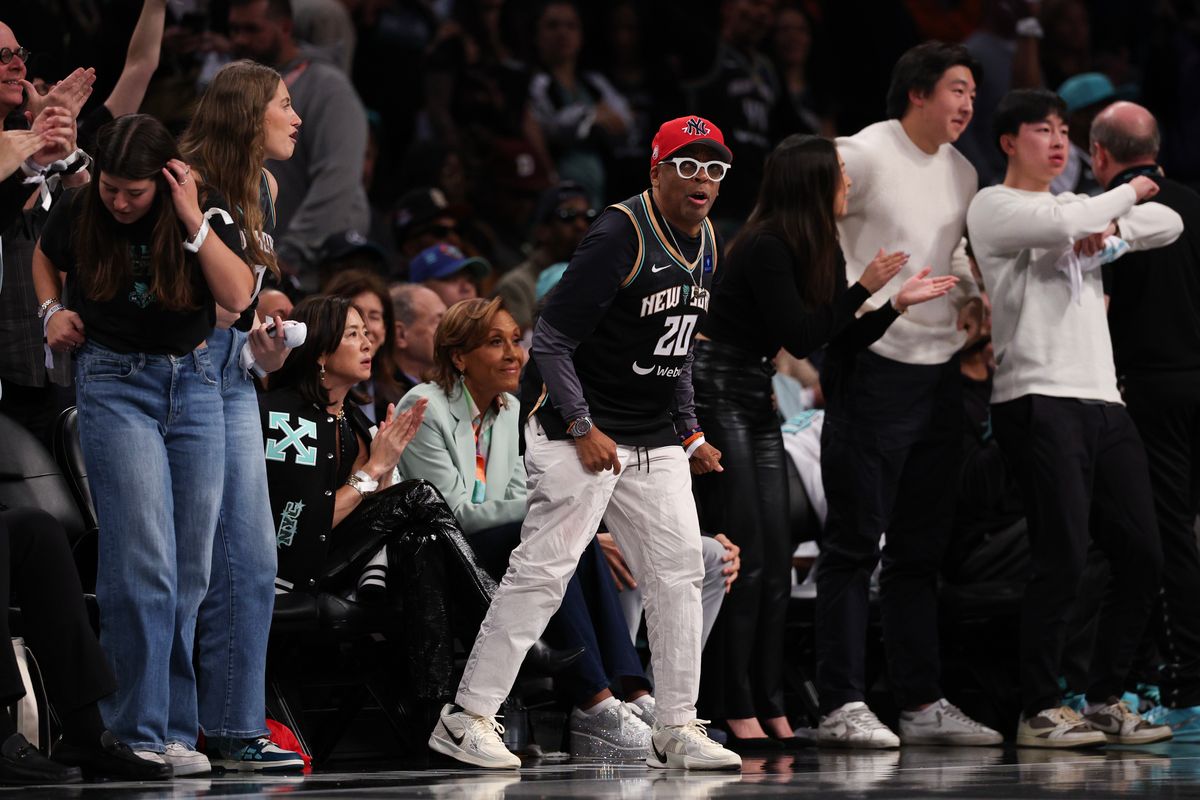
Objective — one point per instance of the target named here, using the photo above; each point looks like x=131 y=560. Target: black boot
x=22 y=765
x=110 y=758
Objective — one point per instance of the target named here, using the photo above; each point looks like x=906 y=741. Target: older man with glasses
x=611 y=434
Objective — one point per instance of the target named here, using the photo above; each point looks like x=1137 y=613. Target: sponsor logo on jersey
x=660 y=371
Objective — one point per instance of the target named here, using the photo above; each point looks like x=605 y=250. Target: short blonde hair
x=464 y=327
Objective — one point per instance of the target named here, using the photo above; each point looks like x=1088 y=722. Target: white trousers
x=712 y=593
x=650 y=512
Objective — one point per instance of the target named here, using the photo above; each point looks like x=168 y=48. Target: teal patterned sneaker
x=1183 y=722
x=252 y=755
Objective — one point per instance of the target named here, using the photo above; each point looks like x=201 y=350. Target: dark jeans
x=590 y=616
x=1077 y=463
x=742 y=674
x=1166 y=410
x=39 y=574
x=889 y=460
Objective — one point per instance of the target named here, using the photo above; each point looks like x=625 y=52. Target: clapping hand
x=57 y=125
x=69 y=93
x=15 y=147
x=394 y=434
x=921 y=288
x=882 y=269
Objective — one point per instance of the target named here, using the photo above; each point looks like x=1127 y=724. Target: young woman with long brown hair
x=148 y=260
x=244 y=118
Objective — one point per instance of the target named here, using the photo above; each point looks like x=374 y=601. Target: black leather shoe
x=111 y=758
x=759 y=745
x=545 y=660
x=22 y=765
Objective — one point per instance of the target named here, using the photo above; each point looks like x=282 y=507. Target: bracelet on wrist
x=41 y=312
x=196 y=242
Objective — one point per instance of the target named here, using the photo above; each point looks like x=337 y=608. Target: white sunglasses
x=689 y=168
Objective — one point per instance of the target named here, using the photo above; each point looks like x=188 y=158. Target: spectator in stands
x=326 y=25
x=445 y=270
x=369 y=294
x=418 y=311
x=1155 y=297
x=336 y=504
x=801 y=109
x=36 y=391
x=320 y=185
x=560 y=222
x=150 y=409
x=892 y=430
x=424 y=218
x=740 y=92
x=348 y=251
x=1059 y=419
x=579 y=111
x=467 y=448
x=1066 y=48
x=273 y=303
x=245 y=117
x=477 y=89
x=783 y=286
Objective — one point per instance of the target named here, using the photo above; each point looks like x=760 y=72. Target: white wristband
x=198 y=240
x=694 y=446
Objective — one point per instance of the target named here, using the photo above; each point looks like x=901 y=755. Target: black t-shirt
x=634 y=308
x=132 y=320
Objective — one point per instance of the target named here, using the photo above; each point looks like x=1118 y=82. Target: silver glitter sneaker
x=615 y=733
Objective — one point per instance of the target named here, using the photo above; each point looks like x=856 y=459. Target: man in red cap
x=611 y=434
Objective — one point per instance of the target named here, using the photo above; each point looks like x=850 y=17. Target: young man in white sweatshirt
x=1059 y=418
x=890 y=445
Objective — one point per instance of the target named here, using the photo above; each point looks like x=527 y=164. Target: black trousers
x=39 y=574
x=1166 y=410
x=1078 y=464
x=742 y=675
x=889 y=460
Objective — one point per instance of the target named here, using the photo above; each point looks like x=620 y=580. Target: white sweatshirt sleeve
x=1013 y=223
x=1150 y=225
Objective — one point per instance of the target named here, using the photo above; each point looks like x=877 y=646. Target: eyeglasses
x=7 y=53
x=689 y=168
x=569 y=215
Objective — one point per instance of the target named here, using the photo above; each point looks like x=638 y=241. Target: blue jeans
x=235 y=617
x=150 y=430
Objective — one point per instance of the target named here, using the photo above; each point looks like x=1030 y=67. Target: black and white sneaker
x=688 y=747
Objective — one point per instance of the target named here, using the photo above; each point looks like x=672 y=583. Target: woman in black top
x=783 y=286
x=146 y=267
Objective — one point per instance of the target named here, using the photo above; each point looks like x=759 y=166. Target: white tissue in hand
x=294 y=333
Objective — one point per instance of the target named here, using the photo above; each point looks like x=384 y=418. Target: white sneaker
x=1057 y=727
x=1122 y=725
x=186 y=760
x=471 y=739
x=855 y=725
x=944 y=723
x=646 y=710
x=150 y=755
x=688 y=747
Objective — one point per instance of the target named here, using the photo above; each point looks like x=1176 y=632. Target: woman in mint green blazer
x=468 y=447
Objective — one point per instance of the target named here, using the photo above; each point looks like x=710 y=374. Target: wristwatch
x=362 y=483
x=580 y=427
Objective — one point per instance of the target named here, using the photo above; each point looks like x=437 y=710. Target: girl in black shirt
x=145 y=263
x=783 y=285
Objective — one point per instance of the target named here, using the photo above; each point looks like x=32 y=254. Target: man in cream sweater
x=1060 y=420
x=893 y=413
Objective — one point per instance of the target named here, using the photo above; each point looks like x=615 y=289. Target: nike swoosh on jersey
x=660 y=267
x=642 y=370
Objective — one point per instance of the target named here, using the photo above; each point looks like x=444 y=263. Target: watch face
x=581 y=427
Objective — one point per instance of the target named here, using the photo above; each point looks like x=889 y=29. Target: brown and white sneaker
x=1122 y=725
x=1058 y=727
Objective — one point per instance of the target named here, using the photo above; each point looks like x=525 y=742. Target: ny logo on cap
x=696 y=127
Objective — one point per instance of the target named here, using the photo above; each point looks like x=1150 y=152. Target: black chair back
x=29 y=477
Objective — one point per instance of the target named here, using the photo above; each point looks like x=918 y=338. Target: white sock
x=599 y=708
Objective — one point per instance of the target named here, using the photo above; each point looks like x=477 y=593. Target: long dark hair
x=133 y=147
x=351 y=284
x=325 y=317
x=795 y=202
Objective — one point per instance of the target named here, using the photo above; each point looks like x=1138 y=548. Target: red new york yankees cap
x=681 y=132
